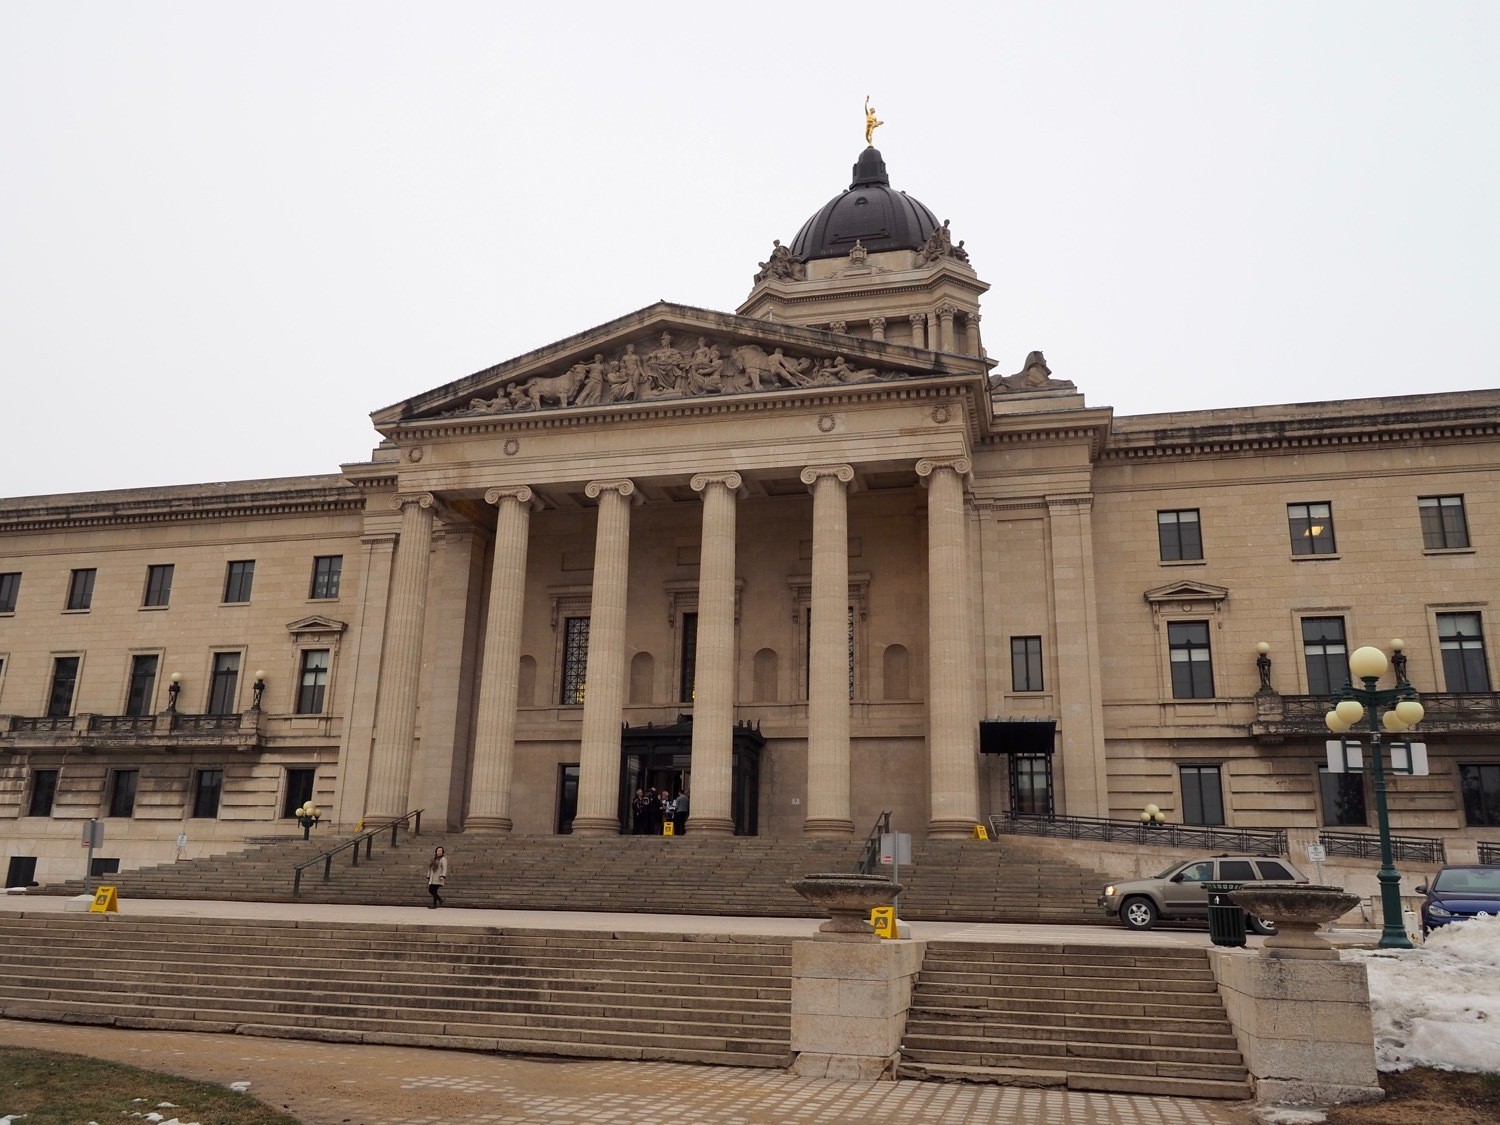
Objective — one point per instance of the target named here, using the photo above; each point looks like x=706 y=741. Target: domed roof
x=871 y=212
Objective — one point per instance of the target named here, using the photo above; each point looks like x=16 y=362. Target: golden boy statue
x=870 y=123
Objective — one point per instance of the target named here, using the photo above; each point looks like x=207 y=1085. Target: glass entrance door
x=1031 y=784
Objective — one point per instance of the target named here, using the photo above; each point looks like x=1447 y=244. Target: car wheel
x=1262 y=926
x=1138 y=914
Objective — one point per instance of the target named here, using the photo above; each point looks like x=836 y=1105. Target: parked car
x=1178 y=893
x=1460 y=892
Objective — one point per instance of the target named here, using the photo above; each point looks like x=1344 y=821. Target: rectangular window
x=1192 y=662
x=1481 y=792
x=206 y=793
x=64 y=680
x=1178 y=535
x=325 y=576
x=1026 y=664
x=21 y=872
x=142 y=685
x=43 y=792
x=1343 y=799
x=807 y=641
x=10 y=589
x=1311 y=526
x=122 y=785
x=225 y=685
x=1327 y=654
x=689 y=684
x=299 y=790
x=1202 y=795
x=1443 y=523
x=575 y=660
x=237 y=580
x=313 y=682
x=81 y=589
x=1461 y=639
x=158 y=584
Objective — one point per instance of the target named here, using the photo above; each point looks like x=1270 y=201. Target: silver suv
x=1178 y=891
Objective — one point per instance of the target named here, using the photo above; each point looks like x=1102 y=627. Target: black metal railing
x=869 y=854
x=1446 y=712
x=1366 y=845
x=1488 y=852
x=412 y=821
x=1254 y=840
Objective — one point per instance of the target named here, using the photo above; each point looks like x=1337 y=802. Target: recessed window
x=1480 y=785
x=1192 y=662
x=1202 y=795
x=689 y=682
x=237 y=580
x=64 y=681
x=1327 y=654
x=1343 y=798
x=158 y=585
x=299 y=790
x=122 y=784
x=325 y=577
x=81 y=589
x=1311 y=526
x=313 y=681
x=1443 y=523
x=225 y=682
x=142 y=684
x=206 y=792
x=1026 y=664
x=1178 y=535
x=575 y=660
x=43 y=792
x=10 y=590
x=1461 y=638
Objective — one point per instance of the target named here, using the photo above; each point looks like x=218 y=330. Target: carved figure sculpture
x=592 y=391
x=939 y=244
x=871 y=124
x=704 y=368
x=560 y=389
x=1035 y=373
x=666 y=368
x=760 y=370
x=626 y=376
x=783 y=265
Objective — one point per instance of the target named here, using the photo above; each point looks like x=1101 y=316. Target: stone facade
x=824 y=528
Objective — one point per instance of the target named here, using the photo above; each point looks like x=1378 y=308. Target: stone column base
x=709 y=826
x=488 y=825
x=827 y=826
x=951 y=829
x=849 y=1005
x=596 y=826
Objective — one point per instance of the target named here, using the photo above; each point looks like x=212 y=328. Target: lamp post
x=257 y=689
x=172 y=691
x=308 y=815
x=1396 y=710
x=1152 y=817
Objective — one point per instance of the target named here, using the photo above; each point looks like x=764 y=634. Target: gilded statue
x=871 y=124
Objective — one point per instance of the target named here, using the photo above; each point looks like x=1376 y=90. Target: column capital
x=421 y=499
x=918 y=318
x=622 y=485
x=972 y=317
x=947 y=310
x=844 y=474
x=929 y=465
x=837 y=326
x=730 y=480
x=521 y=494
x=877 y=322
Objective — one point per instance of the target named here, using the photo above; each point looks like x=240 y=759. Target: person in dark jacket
x=680 y=814
x=640 y=813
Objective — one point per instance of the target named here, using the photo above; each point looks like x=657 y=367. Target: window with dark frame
x=10 y=590
x=81 y=589
x=299 y=790
x=312 y=681
x=1192 y=660
x=158 y=584
x=64 y=681
x=1311 y=527
x=100 y=866
x=1343 y=798
x=225 y=683
x=1327 y=654
x=21 y=872
x=327 y=570
x=142 y=683
x=1479 y=784
x=43 y=792
x=122 y=786
x=238 y=578
x=1461 y=639
x=207 y=790
x=1443 y=524
x=575 y=660
x=688 y=683
x=1026 y=664
x=1178 y=535
x=1202 y=795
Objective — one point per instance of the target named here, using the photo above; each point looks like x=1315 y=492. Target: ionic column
x=837 y=326
x=877 y=328
x=971 y=324
x=713 y=680
x=401 y=667
x=919 y=330
x=953 y=769
x=495 y=736
x=828 y=655
x=946 y=312
x=604 y=673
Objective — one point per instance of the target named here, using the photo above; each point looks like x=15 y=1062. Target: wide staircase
x=702 y=999
x=1140 y=1020
x=955 y=880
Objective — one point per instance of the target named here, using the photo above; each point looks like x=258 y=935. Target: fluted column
x=919 y=330
x=877 y=328
x=828 y=655
x=604 y=674
x=952 y=765
x=401 y=666
x=713 y=678
x=495 y=736
x=945 y=312
x=971 y=324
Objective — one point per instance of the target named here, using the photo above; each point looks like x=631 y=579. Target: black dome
x=870 y=212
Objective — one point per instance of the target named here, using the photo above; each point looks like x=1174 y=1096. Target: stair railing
x=412 y=821
x=869 y=854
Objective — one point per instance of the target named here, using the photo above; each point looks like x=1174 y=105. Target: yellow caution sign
x=669 y=829
x=980 y=833
x=105 y=902
x=883 y=918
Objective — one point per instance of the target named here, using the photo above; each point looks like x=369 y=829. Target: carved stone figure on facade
x=840 y=370
x=591 y=393
x=783 y=265
x=939 y=244
x=704 y=368
x=626 y=375
x=960 y=254
x=858 y=254
x=561 y=389
x=1034 y=375
x=667 y=369
x=754 y=370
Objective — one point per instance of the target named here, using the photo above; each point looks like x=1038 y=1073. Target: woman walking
x=437 y=876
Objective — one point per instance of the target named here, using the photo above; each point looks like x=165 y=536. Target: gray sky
x=229 y=232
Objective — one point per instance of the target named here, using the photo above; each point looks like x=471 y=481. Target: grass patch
x=1446 y=1096
x=58 y=1089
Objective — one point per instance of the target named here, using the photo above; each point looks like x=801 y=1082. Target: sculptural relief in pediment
x=633 y=373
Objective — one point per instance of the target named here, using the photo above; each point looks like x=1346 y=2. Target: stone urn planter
x=1298 y=909
x=848 y=899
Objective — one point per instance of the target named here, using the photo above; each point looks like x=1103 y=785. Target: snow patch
x=239 y=1087
x=1285 y=1115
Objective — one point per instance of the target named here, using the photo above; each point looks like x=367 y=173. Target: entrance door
x=653 y=757
x=1031 y=784
x=567 y=798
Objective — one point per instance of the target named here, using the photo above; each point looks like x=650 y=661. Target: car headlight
x=1109 y=892
x=1436 y=911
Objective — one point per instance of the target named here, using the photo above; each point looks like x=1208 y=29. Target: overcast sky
x=230 y=232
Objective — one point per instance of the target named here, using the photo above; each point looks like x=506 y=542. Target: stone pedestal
x=849 y=1005
x=1303 y=1026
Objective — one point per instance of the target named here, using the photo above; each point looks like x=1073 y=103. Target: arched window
x=642 y=673
x=896 y=673
x=767 y=674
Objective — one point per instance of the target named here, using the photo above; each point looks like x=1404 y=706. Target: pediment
x=1187 y=591
x=316 y=624
x=670 y=352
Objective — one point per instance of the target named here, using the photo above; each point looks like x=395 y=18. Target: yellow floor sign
x=105 y=902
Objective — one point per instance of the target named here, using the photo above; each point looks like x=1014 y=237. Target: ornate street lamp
x=308 y=815
x=257 y=689
x=1153 y=817
x=1395 y=710
x=173 y=689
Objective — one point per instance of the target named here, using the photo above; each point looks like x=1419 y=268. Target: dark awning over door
x=1016 y=736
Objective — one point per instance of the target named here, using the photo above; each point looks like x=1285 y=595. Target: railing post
x=369 y=845
x=328 y=867
x=417 y=831
x=297 y=883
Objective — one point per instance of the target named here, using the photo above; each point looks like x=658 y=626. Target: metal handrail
x=1366 y=845
x=869 y=854
x=412 y=820
x=1489 y=852
x=1133 y=832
